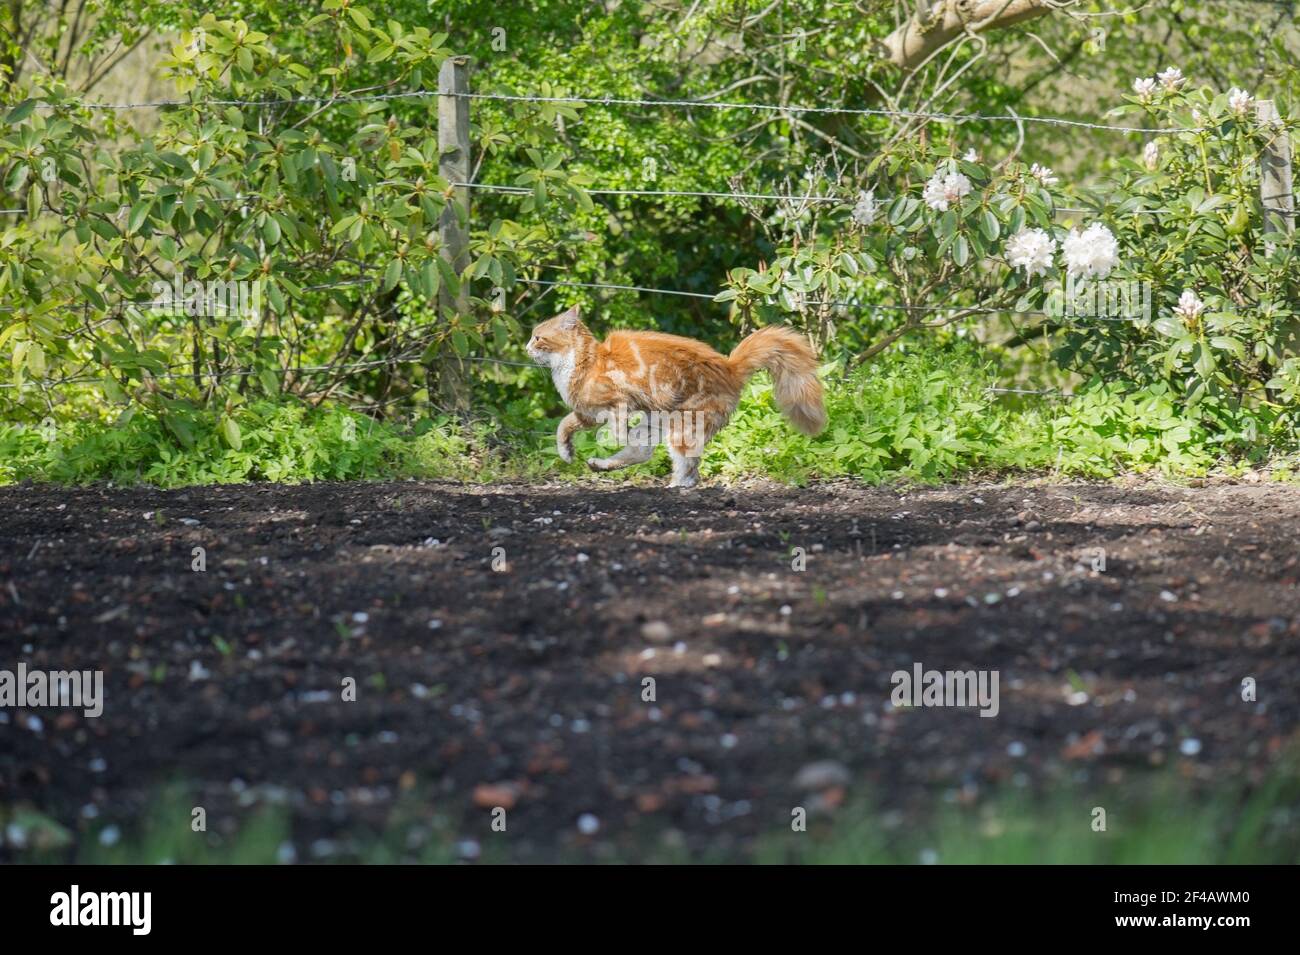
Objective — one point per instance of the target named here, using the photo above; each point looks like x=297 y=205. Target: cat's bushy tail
x=793 y=364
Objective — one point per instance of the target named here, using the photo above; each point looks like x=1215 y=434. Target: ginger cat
x=685 y=390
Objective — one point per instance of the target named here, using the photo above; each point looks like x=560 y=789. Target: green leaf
x=180 y=428
x=139 y=212
x=230 y=431
x=103 y=228
x=36 y=360
x=431 y=273
x=20 y=112
x=392 y=274
x=989 y=225
x=449 y=277
x=961 y=250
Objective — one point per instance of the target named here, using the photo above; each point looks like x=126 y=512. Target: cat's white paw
x=683 y=483
x=599 y=464
x=566 y=451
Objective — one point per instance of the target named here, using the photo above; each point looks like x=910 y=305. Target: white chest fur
x=561 y=373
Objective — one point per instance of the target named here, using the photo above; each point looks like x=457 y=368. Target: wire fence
x=685 y=104
x=404 y=357
x=776 y=110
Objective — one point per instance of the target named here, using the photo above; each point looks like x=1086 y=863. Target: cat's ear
x=569 y=320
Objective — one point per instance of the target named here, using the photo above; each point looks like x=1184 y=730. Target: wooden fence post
x=453 y=227
x=1276 y=191
x=1277 y=195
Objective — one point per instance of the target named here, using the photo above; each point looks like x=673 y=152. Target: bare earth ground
x=522 y=688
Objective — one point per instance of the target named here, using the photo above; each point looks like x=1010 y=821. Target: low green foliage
x=1148 y=823
x=931 y=415
x=279 y=441
x=1153 y=820
x=925 y=415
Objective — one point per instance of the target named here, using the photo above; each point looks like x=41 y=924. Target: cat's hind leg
x=686 y=469
x=688 y=433
x=629 y=455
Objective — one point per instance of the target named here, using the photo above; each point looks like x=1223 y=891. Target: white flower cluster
x=1239 y=101
x=1151 y=156
x=1032 y=250
x=945 y=188
x=1092 y=253
x=1189 y=307
x=1171 y=78
x=864 y=213
x=1043 y=174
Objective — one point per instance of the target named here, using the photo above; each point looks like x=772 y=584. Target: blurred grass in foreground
x=1154 y=822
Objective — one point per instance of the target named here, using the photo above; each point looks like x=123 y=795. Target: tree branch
x=916 y=39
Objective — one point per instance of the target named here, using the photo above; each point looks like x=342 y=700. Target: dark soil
x=522 y=688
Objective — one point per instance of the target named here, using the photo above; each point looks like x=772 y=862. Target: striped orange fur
x=684 y=389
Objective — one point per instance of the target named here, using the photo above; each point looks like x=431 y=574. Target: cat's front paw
x=566 y=451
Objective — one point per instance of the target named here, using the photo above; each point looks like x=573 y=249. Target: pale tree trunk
x=937 y=23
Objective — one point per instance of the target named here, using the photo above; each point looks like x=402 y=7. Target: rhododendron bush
x=1158 y=272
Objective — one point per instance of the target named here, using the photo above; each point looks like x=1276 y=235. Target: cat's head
x=557 y=336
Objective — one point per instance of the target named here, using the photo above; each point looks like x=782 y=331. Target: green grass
x=923 y=416
x=1153 y=821
x=1159 y=826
